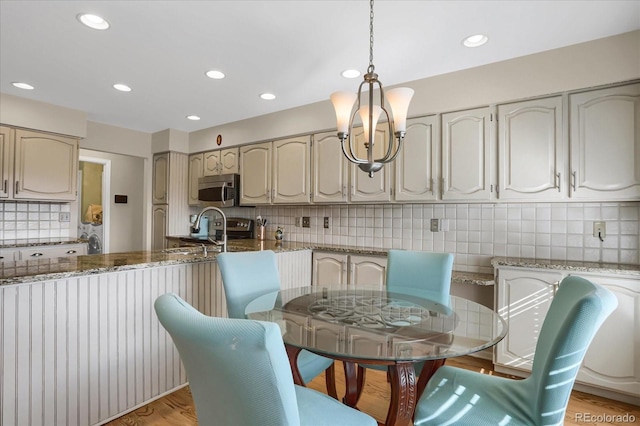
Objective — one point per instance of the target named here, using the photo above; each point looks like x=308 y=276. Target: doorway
x=93 y=202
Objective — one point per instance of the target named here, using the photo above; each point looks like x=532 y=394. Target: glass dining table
x=370 y=325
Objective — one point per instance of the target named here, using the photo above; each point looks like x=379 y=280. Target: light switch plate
x=599 y=229
x=435 y=225
x=64 y=217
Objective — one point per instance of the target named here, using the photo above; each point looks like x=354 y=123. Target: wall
x=476 y=232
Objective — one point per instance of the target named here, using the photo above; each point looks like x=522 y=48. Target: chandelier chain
x=371 y=67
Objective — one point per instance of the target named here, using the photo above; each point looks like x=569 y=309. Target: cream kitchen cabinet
x=38 y=166
x=160 y=187
x=159 y=217
x=276 y=172
x=331 y=269
x=523 y=297
x=330 y=170
x=9 y=254
x=220 y=162
x=605 y=144
x=531 y=150
x=417 y=164
x=467 y=155
x=196 y=171
x=51 y=251
x=6 y=163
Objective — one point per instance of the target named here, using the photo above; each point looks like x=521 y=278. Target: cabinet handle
x=71 y=251
x=558 y=181
x=37 y=255
x=573 y=182
x=1 y=257
x=17 y=184
x=353 y=189
x=344 y=191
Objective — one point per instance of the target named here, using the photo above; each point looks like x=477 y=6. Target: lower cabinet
x=331 y=269
x=8 y=255
x=612 y=362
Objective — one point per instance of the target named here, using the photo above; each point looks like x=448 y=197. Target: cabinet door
x=255 y=174
x=8 y=255
x=291 y=174
x=196 y=171
x=417 y=163
x=367 y=270
x=229 y=161
x=159 y=224
x=523 y=299
x=466 y=155
x=6 y=162
x=212 y=165
x=160 y=178
x=531 y=150
x=329 y=269
x=617 y=369
x=330 y=170
x=378 y=187
x=605 y=144
x=46 y=166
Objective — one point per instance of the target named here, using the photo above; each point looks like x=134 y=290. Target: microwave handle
x=224 y=193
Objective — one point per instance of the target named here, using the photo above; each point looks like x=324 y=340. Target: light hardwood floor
x=177 y=408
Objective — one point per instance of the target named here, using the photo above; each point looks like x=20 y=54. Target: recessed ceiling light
x=93 y=21
x=122 y=87
x=24 y=86
x=475 y=40
x=216 y=75
x=268 y=96
x=193 y=117
x=350 y=73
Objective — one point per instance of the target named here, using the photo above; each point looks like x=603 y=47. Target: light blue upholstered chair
x=239 y=372
x=458 y=396
x=416 y=273
x=248 y=275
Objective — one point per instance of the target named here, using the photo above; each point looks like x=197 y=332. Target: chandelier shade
x=348 y=105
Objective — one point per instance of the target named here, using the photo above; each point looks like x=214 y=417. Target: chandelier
x=369 y=113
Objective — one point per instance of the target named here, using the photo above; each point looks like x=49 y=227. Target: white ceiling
x=295 y=49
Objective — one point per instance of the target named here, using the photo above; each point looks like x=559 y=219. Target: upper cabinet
x=196 y=171
x=160 y=187
x=330 y=170
x=38 y=166
x=416 y=166
x=531 y=150
x=467 y=155
x=255 y=173
x=291 y=174
x=605 y=143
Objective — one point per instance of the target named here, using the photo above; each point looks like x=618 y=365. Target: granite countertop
x=31 y=242
x=567 y=265
x=27 y=271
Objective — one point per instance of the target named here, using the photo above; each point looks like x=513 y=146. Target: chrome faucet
x=196 y=227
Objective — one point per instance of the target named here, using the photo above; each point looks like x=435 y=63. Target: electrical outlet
x=64 y=217
x=600 y=230
x=435 y=225
x=306 y=222
x=326 y=222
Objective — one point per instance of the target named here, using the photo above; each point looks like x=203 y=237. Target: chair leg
x=330 y=378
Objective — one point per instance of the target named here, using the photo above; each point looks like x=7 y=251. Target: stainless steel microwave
x=219 y=191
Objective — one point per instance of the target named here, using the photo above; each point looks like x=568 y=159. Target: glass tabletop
x=371 y=323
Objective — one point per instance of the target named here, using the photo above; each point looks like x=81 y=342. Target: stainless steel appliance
x=219 y=191
x=237 y=228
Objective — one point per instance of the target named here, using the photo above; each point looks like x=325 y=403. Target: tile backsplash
x=21 y=220
x=474 y=232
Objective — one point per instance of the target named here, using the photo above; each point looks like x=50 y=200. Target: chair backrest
x=577 y=311
x=420 y=273
x=246 y=276
x=238 y=369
